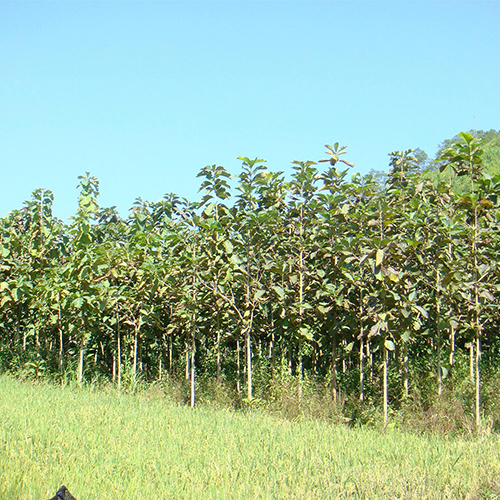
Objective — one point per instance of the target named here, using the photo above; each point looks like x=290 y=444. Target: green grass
x=103 y=445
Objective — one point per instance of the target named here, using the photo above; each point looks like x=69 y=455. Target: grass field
x=103 y=445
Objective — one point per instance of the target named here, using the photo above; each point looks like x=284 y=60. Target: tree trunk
x=406 y=384
x=301 y=374
x=386 y=387
x=477 y=320
x=170 y=354
x=249 y=363
x=471 y=360
x=218 y=353
x=193 y=371
x=136 y=347
x=452 y=343
x=478 y=383
x=334 y=371
x=439 y=334
x=439 y=371
x=60 y=331
x=361 y=369
x=118 y=353
x=80 y=364
x=238 y=368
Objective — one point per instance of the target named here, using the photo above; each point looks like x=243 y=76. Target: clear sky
x=144 y=94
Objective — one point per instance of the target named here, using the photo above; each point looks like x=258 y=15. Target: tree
x=81 y=268
x=466 y=159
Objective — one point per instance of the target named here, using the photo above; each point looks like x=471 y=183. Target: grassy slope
x=105 y=446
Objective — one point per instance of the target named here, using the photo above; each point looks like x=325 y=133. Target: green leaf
x=405 y=337
x=209 y=209
x=78 y=303
x=85 y=272
x=379 y=257
x=306 y=333
x=486 y=295
x=228 y=246
x=393 y=277
x=279 y=291
x=235 y=260
x=421 y=310
x=389 y=345
x=4 y=251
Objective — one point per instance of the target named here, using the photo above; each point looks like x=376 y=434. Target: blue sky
x=144 y=94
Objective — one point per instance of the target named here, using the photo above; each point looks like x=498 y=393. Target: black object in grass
x=63 y=494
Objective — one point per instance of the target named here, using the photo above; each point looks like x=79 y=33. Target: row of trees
x=319 y=275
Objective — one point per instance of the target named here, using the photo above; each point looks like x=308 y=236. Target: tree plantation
x=380 y=293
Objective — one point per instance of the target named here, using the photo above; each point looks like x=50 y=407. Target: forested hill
x=430 y=166
x=491 y=159
x=381 y=295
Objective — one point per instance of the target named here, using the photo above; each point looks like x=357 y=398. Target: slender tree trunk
x=386 y=386
x=477 y=320
x=271 y=342
x=193 y=371
x=135 y=351
x=361 y=369
x=18 y=332
x=478 y=382
x=218 y=352
x=170 y=354
x=238 y=368
x=136 y=346
x=18 y=328
x=186 y=371
x=439 y=334
x=452 y=343
x=60 y=331
x=249 y=363
x=439 y=371
x=80 y=364
x=118 y=353
x=406 y=384
x=334 y=371
x=61 y=347
x=361 y=349
x=270 y=354
x=301 y=375
x=471 y=360
x=82 y=345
